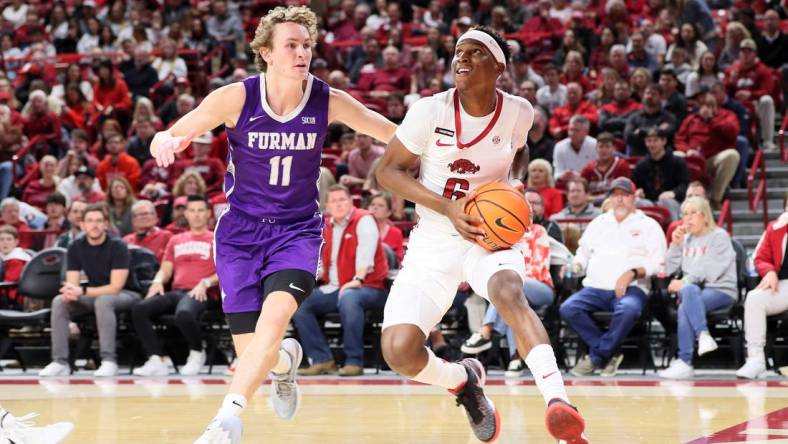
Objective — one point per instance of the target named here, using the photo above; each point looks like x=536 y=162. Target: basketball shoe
x=565 y=423
x=481 y=412
x=22 y=430
x=285 y=395
x=226 y=430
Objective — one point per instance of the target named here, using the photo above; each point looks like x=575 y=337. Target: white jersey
x=459 y=152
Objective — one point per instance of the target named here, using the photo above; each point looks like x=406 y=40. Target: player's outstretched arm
x=345 y=109
x=221 y=106
x=392 y=174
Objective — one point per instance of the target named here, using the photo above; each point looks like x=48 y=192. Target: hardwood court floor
x=388 y=409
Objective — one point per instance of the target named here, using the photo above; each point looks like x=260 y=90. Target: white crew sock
x=284 y=363
x=548 y=378
x=449 y=375
x=232 y=405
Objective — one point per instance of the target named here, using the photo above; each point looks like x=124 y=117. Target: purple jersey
x=274 y=161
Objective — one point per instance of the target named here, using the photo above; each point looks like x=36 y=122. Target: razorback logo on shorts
x=464 y=166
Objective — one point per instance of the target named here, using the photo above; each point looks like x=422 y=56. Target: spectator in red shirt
x=392 y=77
x=542 y=23
x=380 y=207
x=111 y=94
x=360 y=161
x=573 y=71
x=39 y=121
x=540 y=178
x=179 y=223
x=188 y=263
x=711 y=134
x=146 y=233
x=559 y=122
x=614 y=115
x=752 y=83
x=618 y=60
x=211 y=169
x=37 y=191
x=85 y=177
x=14 y=259
x=350 y=19
x=601 y=172
x=9 y=213
x=118 y=163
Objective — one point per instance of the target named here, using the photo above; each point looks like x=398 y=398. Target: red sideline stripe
x=776 y=420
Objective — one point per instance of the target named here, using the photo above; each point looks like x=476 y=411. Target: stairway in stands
x=747 y=224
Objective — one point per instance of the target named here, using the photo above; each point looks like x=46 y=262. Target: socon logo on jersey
x=282 y=141
x=463 y=166
x=308 y=120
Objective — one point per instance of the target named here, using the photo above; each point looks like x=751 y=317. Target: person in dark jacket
x=661 y=177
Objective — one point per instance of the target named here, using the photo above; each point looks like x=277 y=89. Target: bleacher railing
x=726 y=217
x=757 y=195
x=22 y=152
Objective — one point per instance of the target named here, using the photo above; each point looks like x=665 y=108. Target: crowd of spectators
x=662 y=92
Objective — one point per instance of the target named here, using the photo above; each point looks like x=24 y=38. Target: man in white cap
x=210 y=168
x=465 y=137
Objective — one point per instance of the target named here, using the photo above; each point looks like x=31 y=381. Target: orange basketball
x=505 y=214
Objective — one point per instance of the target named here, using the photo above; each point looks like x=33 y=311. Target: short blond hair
x=264 y=35
x=701 y=205
x=544 y=165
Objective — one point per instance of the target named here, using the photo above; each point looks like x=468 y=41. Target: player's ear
x=265 y=53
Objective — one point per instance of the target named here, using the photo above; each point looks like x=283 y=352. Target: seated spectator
x=37 y=190
x=573 y=153
x=367 y=61
x=614 y=115
x=661 y=177
x=145 y=110
x=705 y=77
x=538 y=217
x=184 y=104
x=770 y=297
x=353 y=271
x=652 y=115
x=9 y=213
x=638 y=81
x=110 y=93
x=39 y=121
x=379 y=207
x=75 y=213
x=638 y=57
x=120 y=198
x=528 y=91
x=773 y=42
x=601 y=172
x=751 y=82
x=735 y=33
x=147 y=233
x=616 y=278
x=711 y=134
x=694 y=189
x=73 y=76
x=605 y=91
x=574 y=69
x=360 y=160
x=209 y=168
x=138 y=146
x=392 y=77
x=618 y=60
x=56 y=221
x=679 y=64
x=538 y=287
x=168 y=63
x=90 y=36
x=179 y=223
x=77 y=148
x=169 y=110
x=14 y=260
x=105 y=262
x=89 y=191
x=704 y=255
x=540 y=143
x=189 y=264
x=553 y=94
x=540 y=178
x=154 y=180
x=77 y=111
x=426 y=68
x=675 y=102
x=689 y=40
x=118 y=163
x=579 y=203
x=575 y=105
x=11 y=139
x=743 y=145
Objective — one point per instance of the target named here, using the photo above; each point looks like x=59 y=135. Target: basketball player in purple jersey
x=268 y=240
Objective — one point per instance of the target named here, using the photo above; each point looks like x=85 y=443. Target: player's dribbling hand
x=165 y=146
x=464 y=223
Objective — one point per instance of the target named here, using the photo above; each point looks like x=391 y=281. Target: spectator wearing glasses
x=703 y=253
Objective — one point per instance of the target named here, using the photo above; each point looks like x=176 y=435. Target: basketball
x=505 y=214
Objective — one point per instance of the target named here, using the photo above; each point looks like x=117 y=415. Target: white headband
x=486 y=40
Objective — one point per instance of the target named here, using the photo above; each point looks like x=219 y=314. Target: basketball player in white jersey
x=465 y=137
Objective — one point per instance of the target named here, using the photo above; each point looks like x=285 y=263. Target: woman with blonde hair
x=120 y=198
x=704 y=255
x=540 y=178
x=735 y=32
x=144 y=109
x=188 y=183
x=639 y=80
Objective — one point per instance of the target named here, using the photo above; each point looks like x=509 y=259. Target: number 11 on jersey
x=287 y=163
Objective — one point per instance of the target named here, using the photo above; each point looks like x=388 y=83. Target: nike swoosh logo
x=440 y=143
x=502 y=225
x=252 y=119
x=239 y=405
x=296 y=288
x=549 y=374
